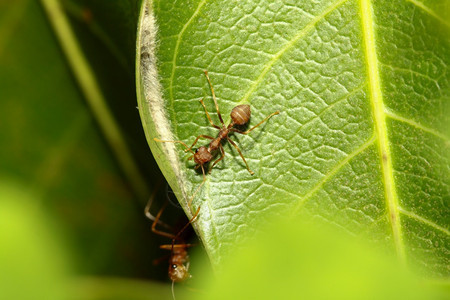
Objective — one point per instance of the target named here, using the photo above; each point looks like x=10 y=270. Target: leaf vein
x=329 y=107
x=331 y=173
x=175 y=53
x=415 y=124
x=302 y=33
x=435 y=80
x=429 y=11
x=376 y=99
x=424 y=221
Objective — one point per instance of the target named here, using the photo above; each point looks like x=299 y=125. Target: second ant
x=240 y=115
x=179 y=259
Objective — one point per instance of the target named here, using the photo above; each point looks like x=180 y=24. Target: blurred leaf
x=32 y=258
x=52 y=144
x=35 y=263
x=361 y=141
x=119 y=289
x=319 y=263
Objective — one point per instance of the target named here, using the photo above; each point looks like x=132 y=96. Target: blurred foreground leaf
x=295 y=260
x=32 y=258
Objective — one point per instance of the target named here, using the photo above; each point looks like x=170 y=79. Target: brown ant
x=240 y=115
x=179 y=258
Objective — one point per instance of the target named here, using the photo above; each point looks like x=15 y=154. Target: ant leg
x=162 y=233
x=196 y=140
x=184 y=228
x=149 y=205
x=180 y=246
x=196 y=191
x=207 y=115
x=162 y=258
x=219 y=159
x=183 y=246
x=240 y=153
x=245 y=132
x=178 y=142
x=214 y=98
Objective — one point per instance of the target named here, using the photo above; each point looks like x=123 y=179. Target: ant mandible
x=240 y=115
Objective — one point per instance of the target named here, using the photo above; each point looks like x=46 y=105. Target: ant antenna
x=173 y=290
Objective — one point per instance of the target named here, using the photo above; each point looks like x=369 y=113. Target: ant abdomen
x=241 y=114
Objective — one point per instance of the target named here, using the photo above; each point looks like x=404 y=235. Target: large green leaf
x=362 y=139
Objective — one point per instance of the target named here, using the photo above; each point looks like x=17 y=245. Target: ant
x=240 y=115
x=179 y=258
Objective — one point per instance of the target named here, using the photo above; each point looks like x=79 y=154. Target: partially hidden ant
x=179 y=259
x=240 y=115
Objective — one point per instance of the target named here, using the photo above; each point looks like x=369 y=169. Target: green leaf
x=52 y=144
x=361 y=141
x=34 y=258
x=34 y=266
x=319 y=263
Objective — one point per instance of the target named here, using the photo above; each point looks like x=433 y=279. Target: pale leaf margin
x=152 y=107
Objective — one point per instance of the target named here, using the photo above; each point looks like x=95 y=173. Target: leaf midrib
x=376 y=99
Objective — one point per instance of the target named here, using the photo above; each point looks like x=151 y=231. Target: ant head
x=241 y=114
x=202 y=155
x=178 y=272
